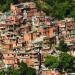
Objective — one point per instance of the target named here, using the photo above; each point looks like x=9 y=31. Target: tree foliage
x=57 y=8
x=22 y=70
x=63 y=46
x=51 y=62
x=5 y=4
x=25 y=70
x=31 y=71
x=64 y=61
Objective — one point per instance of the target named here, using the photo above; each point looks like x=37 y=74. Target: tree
x=22 y=70
x=16 y=72
x=73 y=13
x=31 y=71
x=1 y=72
x=25 y=70
x=5 y=4
x=63 y=46
x=63 y=62
x=57 y=8
x=66 y=62
x=8 y=71
x=51 y=62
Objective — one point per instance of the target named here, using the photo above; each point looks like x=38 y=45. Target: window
x=8 y=54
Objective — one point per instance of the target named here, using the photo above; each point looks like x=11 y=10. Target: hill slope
x=56 y=8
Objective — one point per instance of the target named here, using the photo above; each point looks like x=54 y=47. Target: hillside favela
x=37 y=37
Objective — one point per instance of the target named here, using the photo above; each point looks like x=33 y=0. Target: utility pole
x=39 y=59
x=39 y=63
x=39 y=47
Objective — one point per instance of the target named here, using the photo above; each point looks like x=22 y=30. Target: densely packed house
x=25 y=33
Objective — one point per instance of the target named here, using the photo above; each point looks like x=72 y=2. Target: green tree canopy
x=51 y=62
x=66 y=62
x=31 y=71
x=63 y=62
x=63 y=46
x=57 y=8
x=5 y=4
x=22 y=70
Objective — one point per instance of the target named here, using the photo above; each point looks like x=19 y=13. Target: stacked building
x=28 y=35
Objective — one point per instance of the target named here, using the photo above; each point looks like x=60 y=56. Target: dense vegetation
x=63 y=62
x=63 y=46
x=55 y=8
x=58 y=8
x=5 y=4
x=22 y=70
